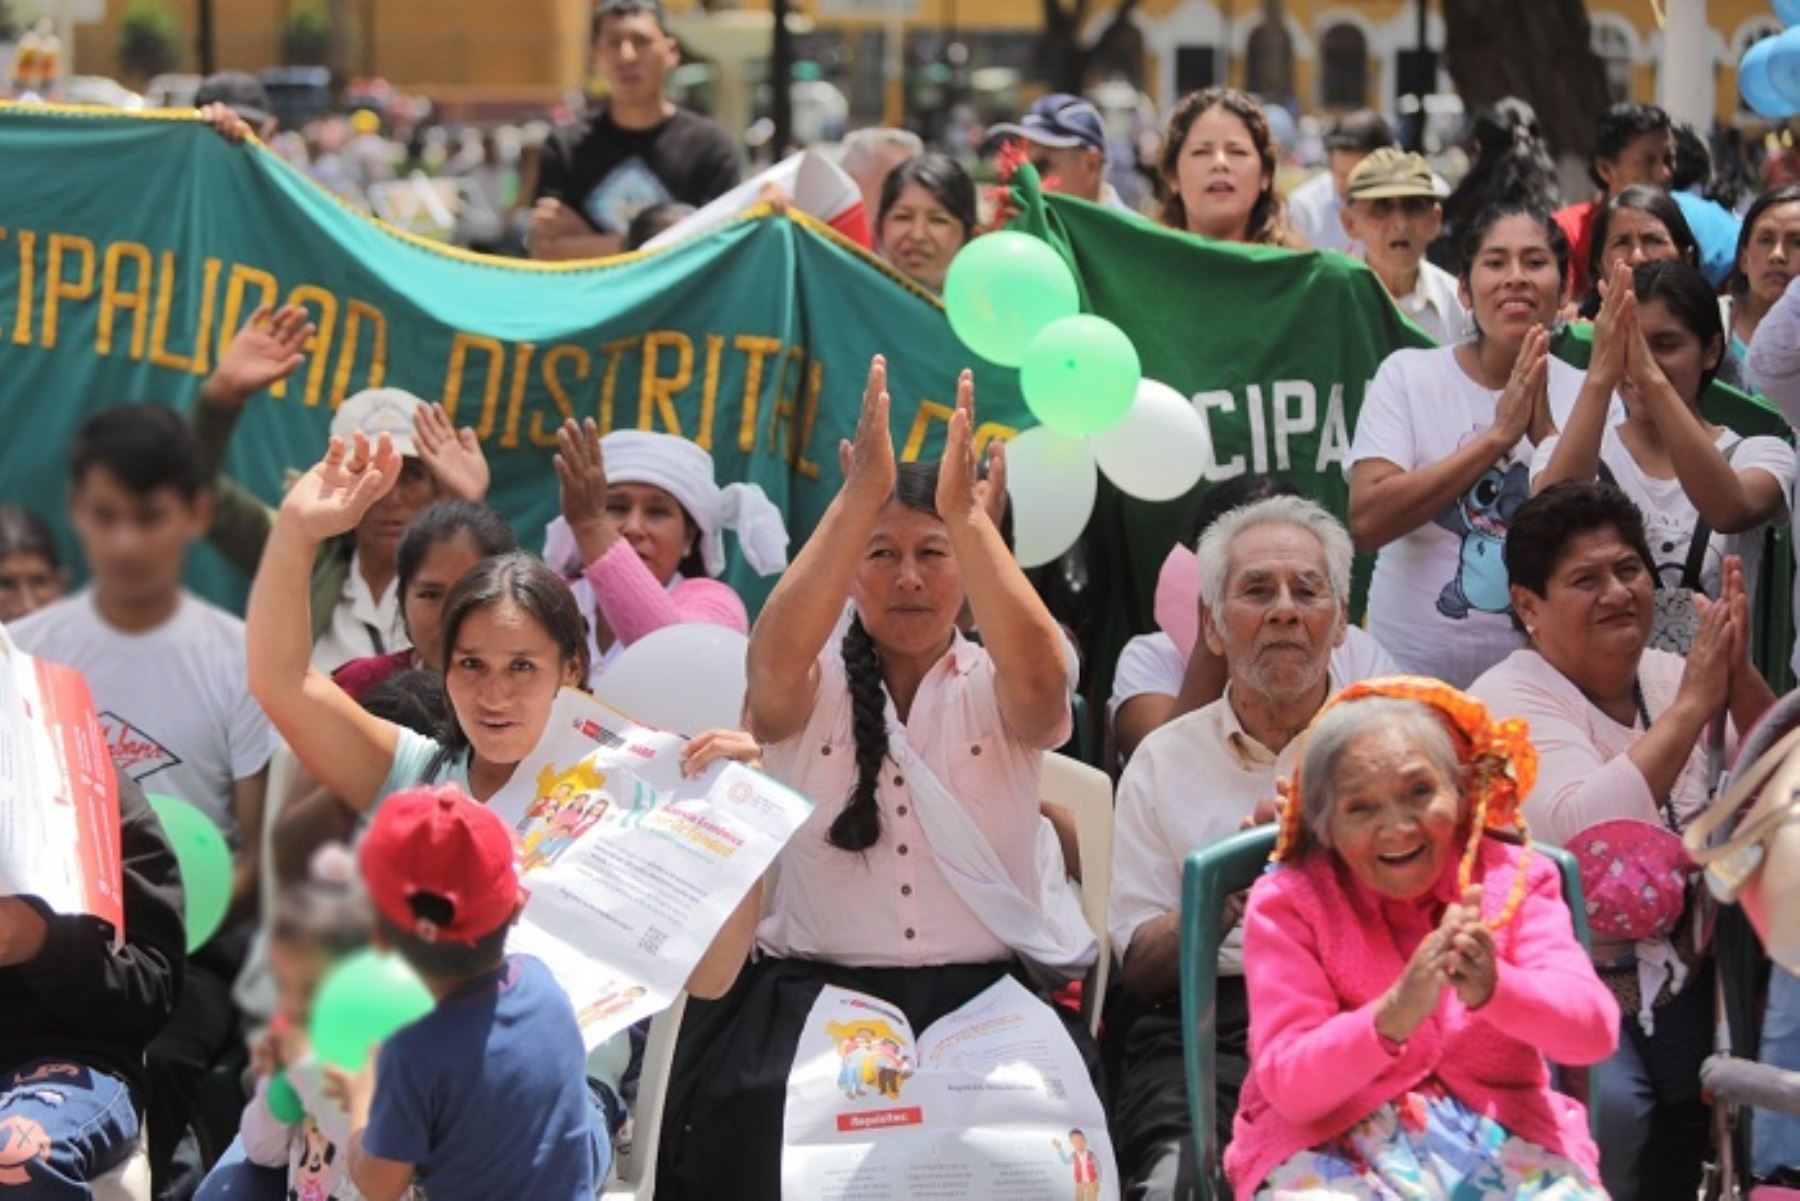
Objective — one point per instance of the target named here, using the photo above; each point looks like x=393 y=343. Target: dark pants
x=722 y=1122
x=61 y=1124
x=1653 y=1122
x=176 y=1064
x=1151 y=1126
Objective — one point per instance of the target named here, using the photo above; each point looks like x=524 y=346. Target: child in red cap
x=488 y=1091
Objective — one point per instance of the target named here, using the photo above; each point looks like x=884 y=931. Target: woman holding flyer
x=916 y=881
x=512 y=638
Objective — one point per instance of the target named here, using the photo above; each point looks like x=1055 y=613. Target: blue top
x=1715 y=229
x=486 y=1096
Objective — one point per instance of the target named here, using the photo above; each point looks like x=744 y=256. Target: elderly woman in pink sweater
x=641 y=536
x=1409 y=973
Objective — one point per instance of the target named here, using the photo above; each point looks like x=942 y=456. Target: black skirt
x=722 y=1119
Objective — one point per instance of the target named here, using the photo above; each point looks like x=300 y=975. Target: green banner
x=131 y=248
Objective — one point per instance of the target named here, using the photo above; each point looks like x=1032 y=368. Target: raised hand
x=1523 y=394
x=956 y=483
x=452 y=456
x=225 y=122
x=868 y=460
x=267 y=349
x=1614 y=329
x=581 y=475
x=990 y=493
x=1706 y=678
x=332 y=497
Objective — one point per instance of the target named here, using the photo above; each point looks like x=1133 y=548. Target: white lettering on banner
x=1224 y=402
x=1259 y=429
x=1334 y=441
x=1291 y=414
x=1287 y=422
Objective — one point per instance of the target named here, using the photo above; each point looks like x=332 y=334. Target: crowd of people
x=1577 y=547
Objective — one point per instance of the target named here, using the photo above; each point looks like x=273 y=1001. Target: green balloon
x=362 y=1001
x=1002 y=289
x=1080 y=375
x=205 y=862
x=284 y=1102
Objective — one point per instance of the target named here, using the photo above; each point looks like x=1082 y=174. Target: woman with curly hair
x=1218 y=171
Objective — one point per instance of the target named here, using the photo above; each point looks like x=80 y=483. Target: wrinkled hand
x=581 y=477
x=1526 y=388
x=332 y=497
x=990 y=491
x=1414 y=997
x=711 y=746
x=452 y=456
x=269 y=348
x=1471 y=960
x=956 y=482
x=226 y=123
x=868 y=460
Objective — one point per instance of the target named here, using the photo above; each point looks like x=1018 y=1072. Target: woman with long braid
x=917 y=879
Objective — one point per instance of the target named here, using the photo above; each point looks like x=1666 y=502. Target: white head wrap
x=684 y=471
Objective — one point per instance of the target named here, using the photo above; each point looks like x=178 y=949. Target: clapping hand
x=1615 y=329
x=1526 y=392
x=1471 y=961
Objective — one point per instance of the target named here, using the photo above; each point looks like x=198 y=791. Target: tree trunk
x=1063 y=61
x=1494 y=50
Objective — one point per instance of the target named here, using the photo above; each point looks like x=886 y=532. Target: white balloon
x=1161 y=447
x=1050 y=479
x=685 y=678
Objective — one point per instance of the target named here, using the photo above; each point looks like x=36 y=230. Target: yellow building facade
x=539 y=47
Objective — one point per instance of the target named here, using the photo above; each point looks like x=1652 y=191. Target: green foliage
x=306 y=38
x=150 y=40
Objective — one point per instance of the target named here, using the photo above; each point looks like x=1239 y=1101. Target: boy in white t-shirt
x=166 y=670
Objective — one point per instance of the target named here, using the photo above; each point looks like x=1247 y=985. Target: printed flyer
x=630 y=867
x=59 y=798
x=990 y=1101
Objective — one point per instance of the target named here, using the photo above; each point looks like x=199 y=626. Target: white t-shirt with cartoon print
x=1670 y=517
x=1438 y=600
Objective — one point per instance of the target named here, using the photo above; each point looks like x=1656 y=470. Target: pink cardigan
x=634 y=604
x=1319 y=950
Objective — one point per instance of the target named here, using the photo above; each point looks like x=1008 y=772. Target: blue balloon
x=1784 y=69
x=1788 y=11
x=1755 y=84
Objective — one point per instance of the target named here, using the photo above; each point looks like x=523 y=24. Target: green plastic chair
x=1207 y=878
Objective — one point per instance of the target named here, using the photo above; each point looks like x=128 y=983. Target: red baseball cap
x=437 y=841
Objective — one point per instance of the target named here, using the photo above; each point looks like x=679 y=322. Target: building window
x=1344 y=54
x=1270 y=70
x=1194 y=68
x=1613 y=46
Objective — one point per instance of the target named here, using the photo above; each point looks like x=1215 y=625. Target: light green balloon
x=1003 y=289
x=1080 y=375
x=205 y=861
x=365 y=998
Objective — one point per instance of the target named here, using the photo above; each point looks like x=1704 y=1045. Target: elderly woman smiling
x=1621 y=730
x=1408 y=973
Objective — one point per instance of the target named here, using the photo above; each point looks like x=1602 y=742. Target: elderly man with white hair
x=1275 y=588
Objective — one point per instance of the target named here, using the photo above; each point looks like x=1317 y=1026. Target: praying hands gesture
x=452 y=456
x=332 y=497
x=958 y=492
x=1615 y=331
x=1527 y=393
x=1459 y=954
x=868 y=461
x=266 y=350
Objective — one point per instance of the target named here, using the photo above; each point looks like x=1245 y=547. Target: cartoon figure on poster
x=610 y=1003
x=1085 y=1163
x=579 y=814
x=873 y=1057
x=558 y=791
x=1481 y=517
x=312 y=1181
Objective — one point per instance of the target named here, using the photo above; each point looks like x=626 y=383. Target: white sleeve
x=264 y=1135
x=1384 y=427
x=1146 y=870
x=1362 y=658
x=1144 y=667
x=1540 y=458
x=1773 y=364
x=1773 y=456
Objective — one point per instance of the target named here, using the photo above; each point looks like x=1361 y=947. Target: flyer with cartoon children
x=992 y=1101
x=630 y=868
x=59 y=798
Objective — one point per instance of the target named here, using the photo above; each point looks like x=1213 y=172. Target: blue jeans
x=1775 y=1142
x=235 y=1178
x=62 y=1124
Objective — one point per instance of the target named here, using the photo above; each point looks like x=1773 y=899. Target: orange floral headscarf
x=1500 y=760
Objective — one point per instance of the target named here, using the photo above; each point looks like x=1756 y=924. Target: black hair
x=1786 y=194
x=938 y=174
x=443 y=522
x=443 y=959
x=653 y=220
x=414 y=698
x=630 y=8
x=1236 y=493
x=1512 y=163
x=1492 y=215
x=1652 y=202
x=1685 y=293
x=1693 y=161
x=1545 y=525
x=858 y=827
x=1620 y=126
x=525 y=581
x=1361 y=132
x=144 y=447
x=23 y=532
x=333 y=916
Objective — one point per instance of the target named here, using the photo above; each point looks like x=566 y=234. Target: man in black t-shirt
x=637 y=150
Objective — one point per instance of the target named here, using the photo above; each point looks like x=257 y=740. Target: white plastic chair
x=130 y=1181
x=634 y=1167
x=1087 y=793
